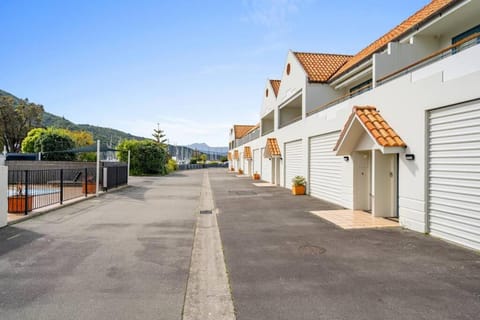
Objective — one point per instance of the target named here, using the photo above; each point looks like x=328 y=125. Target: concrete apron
x=208 y=292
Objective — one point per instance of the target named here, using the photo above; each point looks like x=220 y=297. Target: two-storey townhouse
x=393 y=130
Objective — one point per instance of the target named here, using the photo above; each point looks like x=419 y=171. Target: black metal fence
x=201 y=166
x=34 y=189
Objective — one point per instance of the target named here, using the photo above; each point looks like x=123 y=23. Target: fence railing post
x=86 y=182
x=26 y=192
x=3 y=195
x=61 y=186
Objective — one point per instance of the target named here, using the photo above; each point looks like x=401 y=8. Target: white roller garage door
x=454 y=173
x=257 y=161
x=266 y=174
x=293 y=161
x=325 y=168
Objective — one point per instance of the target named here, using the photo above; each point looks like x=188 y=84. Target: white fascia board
x=346 y=76
x=392 y=150
x=354 y=77
x=339 y=150
x=294 y=95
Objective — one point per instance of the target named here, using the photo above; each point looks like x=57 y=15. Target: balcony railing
x=436 y=56
x=288 y=122
x=338 y=100
x=267 y=132
x=249 y=137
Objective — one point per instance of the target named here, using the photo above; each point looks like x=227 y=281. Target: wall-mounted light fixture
x=409 y=156
x=346 y=158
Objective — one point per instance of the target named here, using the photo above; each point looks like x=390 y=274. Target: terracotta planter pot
x=240 y=171
x=256 y=176
x=90 y=187
x=16 y=204
x=298 y=190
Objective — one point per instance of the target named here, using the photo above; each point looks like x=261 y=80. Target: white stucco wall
x=399 y=55
x=403 y=103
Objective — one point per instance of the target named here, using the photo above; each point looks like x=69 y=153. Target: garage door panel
x=293 y=161
x=256 y=161
x=325 y=168
x=454 y=173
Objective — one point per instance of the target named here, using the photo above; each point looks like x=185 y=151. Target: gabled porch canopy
x=272 y=149
x=366 y=121
x=247 y=153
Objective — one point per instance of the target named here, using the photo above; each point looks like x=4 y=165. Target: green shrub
x=146 y=156
x=171 y=165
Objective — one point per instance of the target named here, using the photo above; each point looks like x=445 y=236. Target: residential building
x=393 y=130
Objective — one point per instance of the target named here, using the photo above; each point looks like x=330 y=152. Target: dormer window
x=288 y=69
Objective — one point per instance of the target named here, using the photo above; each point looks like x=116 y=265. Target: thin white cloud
x=272 y=14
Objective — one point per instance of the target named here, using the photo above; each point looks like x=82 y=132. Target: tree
x=28 y=144
x=159 y=135
x=146 y=156
x=203 y=158
x=17 y=118
x=52 y=143
x=80 y=139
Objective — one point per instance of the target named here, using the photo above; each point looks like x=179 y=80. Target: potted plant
x=298 y=185
x=256 y=176
x=16 y=202
x=90 y=186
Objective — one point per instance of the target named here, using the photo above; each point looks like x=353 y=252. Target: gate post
x=3 y=195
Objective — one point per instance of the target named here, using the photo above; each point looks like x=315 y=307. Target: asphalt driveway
x=285 y=263
x=125 y=255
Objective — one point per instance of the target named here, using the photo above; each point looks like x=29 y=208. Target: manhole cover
x=309 y=250
x=242 y=192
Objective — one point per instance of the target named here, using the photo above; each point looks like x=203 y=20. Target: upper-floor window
x=361 y=87
x=464 y=35
x=288 y=69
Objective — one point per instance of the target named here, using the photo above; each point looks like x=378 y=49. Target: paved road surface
x=285 y=263
x=127 y=256
x=123 y=256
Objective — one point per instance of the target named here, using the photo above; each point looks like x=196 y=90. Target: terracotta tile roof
x=247 y=152
x=272 y=149
x=428 y=11
x=378 y=128
x=253 y=128
x=235 y=155
x=320 y=66
x=275 y=85
x=241 y=130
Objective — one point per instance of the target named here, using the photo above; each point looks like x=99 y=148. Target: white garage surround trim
x=293 y=161
x=325 y=174
x=453 y=170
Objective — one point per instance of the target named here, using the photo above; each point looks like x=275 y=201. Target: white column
x=3 y=195
x=98 y=168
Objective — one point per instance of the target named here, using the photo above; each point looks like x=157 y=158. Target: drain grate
x=205 y=211
x=309 y=250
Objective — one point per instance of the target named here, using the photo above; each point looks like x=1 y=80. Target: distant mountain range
x=107 y=135
x=203 y=147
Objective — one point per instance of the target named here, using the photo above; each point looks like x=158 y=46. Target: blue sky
x=194 y=67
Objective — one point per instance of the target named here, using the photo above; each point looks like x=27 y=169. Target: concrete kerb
x=41 y=211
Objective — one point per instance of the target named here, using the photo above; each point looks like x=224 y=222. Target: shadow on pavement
x=12 y=238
